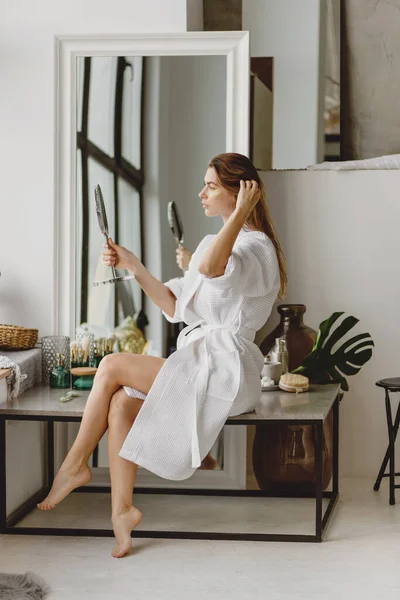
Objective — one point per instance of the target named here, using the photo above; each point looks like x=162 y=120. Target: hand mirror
x=103 y=224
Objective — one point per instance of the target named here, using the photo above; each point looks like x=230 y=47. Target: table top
x=278 y=405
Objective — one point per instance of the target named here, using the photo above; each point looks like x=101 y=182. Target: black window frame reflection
x=117 y=165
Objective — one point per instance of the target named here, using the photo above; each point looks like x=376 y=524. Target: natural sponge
x=293 y=383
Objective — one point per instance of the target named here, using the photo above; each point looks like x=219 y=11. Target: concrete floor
x=358 y=559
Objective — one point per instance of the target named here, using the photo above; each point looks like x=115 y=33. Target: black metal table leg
x=3 y=479
x=95 y=457
x=385 y=461
x=318 y=479
x=334 y=494
x=50 y=452
x=335 y=457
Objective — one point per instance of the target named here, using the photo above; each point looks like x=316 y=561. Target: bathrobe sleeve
x=176 y=286
x=252 y=268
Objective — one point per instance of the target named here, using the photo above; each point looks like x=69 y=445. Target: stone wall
x=370 y=78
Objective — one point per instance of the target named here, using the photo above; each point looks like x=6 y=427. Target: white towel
x=380 y=163
x=15 y=378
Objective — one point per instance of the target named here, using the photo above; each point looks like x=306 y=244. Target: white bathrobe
x=215 y=371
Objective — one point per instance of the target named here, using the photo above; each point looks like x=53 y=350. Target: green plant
x=323 y=366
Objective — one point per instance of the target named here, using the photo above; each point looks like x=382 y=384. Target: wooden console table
x=309 y=408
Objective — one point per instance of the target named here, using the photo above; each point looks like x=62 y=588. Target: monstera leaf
x=322 y=365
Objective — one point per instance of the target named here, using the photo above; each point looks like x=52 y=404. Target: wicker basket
x=18 y=338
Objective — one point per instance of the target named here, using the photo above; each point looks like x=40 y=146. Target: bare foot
x=123 y=524
x=65 y=481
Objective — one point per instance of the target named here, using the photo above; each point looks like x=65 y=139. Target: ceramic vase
x=284 y=455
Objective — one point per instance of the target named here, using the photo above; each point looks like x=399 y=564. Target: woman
x=165 y=414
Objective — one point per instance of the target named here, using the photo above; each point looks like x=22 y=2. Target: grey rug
x=22 y=586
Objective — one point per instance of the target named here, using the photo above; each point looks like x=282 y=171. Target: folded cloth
x=15 y=378
x=30 y=363
x=390 y=161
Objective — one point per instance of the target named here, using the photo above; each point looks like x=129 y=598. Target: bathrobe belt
x=203 y=375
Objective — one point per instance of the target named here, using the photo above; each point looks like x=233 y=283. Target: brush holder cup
x=51 y=346
x=80 y=336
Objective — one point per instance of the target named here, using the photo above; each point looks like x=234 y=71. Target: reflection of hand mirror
x=175 y=223
x=103 y=224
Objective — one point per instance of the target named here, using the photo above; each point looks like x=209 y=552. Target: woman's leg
x=125 y=517
x=115 y=370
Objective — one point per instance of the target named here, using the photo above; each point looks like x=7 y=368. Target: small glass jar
x=271 y=369
x=83 y=377
x=51 y=346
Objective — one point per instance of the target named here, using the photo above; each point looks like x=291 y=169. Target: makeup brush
x=85 y=349
x=73 y=352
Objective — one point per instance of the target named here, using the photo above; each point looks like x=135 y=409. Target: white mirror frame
x=235 y=46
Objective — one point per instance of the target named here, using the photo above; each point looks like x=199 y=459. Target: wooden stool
x=389 y=385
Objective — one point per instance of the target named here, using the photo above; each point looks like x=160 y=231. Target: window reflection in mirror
x=109 y=107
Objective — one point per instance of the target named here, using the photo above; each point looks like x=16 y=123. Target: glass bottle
x=299 y=337
x=265 y=371
x=280 y=354
x=59 y=376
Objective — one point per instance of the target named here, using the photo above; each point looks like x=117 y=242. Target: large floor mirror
x=145 y=114
x=143 y=121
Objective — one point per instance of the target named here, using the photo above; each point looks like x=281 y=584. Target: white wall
x=27 y=156
x=289 y=31
x=339 y=231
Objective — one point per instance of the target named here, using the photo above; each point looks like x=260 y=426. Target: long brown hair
x=231 y=168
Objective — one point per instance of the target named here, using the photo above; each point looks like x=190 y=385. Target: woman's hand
x=119 y=257
x=183 y=258
x=249 y=195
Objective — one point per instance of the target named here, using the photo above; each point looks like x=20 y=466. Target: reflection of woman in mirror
x=165 y=414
